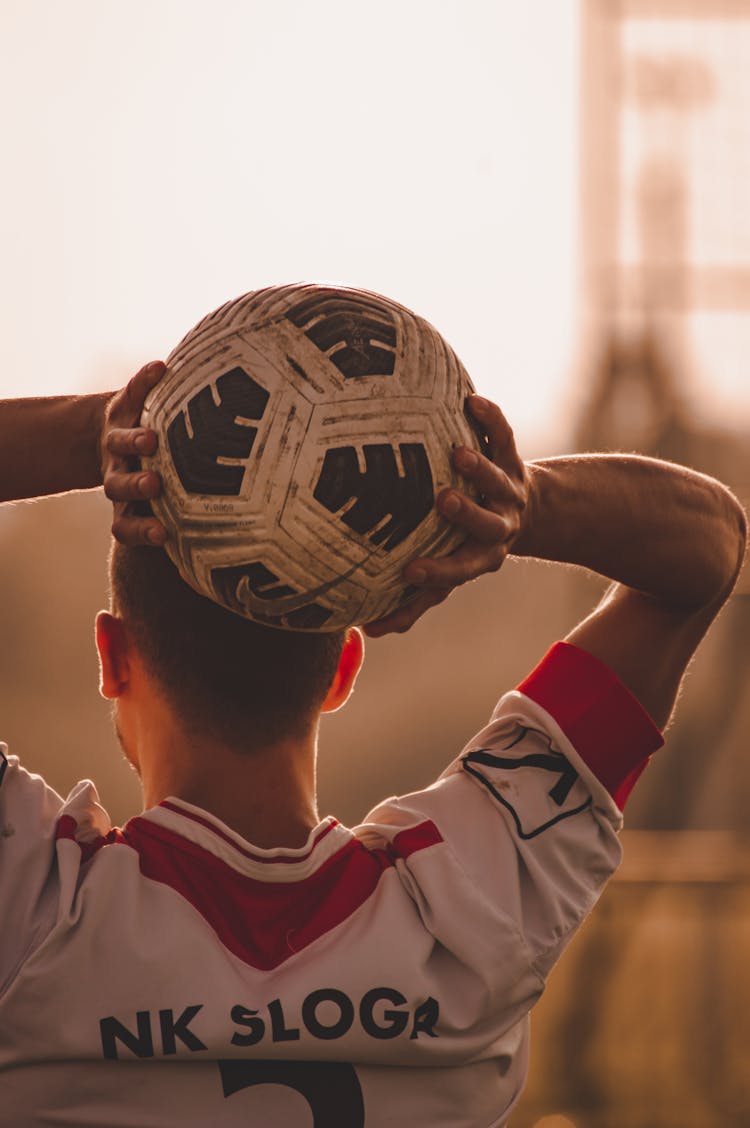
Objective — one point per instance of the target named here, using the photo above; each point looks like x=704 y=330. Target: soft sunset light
x=161 y=160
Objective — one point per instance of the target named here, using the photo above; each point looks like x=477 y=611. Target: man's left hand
x=122 y=442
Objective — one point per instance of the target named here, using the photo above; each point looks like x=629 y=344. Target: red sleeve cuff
x=608 y=727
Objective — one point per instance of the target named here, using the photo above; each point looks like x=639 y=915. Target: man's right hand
x=503 y=482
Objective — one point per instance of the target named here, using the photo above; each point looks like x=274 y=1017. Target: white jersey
x=171 y=973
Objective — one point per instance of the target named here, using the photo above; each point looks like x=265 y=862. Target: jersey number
x=331 y=1089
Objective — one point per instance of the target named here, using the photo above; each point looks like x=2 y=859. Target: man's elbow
x=734 y=544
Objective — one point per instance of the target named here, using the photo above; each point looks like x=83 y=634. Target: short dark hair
x=226 y=677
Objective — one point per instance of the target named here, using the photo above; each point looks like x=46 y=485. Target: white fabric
x=119 y=998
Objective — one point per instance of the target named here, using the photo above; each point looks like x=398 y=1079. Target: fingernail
x=451 y=505
x=417 y=575
x=143 y=483
x=479 y=405
x=141 y=442
x=156 y=536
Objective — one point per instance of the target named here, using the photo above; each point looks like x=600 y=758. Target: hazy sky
x=162 y=156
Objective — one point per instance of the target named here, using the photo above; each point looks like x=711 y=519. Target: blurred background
x=563 y=188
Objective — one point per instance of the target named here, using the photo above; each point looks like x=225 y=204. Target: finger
x=138 y=530
x=471 y=560
x=138 y=386
x=121 y=486
x=502 y=443
x=128 y=442
x=127 y=405
x=490 y=480
x=403 y=618
x=483 y=525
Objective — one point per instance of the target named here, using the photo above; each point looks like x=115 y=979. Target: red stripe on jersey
x=415 y=838
x=274 y=860
x=605 y=723
x=67 y=827
x=263 y=923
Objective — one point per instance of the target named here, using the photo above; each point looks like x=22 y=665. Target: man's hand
x=502 y=481
x=122 y=441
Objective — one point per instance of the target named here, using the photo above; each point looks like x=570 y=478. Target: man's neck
x=265 y=816
x=267 y=795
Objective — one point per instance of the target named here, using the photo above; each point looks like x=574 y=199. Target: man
x=228 y=958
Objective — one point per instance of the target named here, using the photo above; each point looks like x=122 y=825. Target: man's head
x=223 y=677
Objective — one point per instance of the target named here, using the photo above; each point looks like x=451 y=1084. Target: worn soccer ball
x=304 y=434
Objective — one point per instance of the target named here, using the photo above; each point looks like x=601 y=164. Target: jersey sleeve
x=526 y=821
x=39 y=864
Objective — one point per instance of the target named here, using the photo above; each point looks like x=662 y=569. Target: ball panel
x=379 y=502
x=309 y=578
x=211 y=439
x=405 y=422
x=359 y=336
x=241 y=587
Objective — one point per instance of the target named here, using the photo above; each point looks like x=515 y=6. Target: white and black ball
x=304 y=434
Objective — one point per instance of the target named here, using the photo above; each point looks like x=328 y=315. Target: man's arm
x=49 y=445
x=55 y=444
x=672 y=539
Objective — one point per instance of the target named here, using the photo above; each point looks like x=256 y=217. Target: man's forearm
x=50 y=445
x=662 y=529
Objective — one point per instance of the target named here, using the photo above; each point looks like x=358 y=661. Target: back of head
x=224 y=676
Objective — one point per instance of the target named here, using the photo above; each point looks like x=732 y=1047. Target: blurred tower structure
x=665 y=231
x=646 y=1023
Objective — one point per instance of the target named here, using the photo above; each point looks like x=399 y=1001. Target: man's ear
x=112 y=645
x=350 y=663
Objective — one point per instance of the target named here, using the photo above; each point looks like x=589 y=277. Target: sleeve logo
x=535 y=783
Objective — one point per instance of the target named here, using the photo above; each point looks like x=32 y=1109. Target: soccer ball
x=304 y=433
